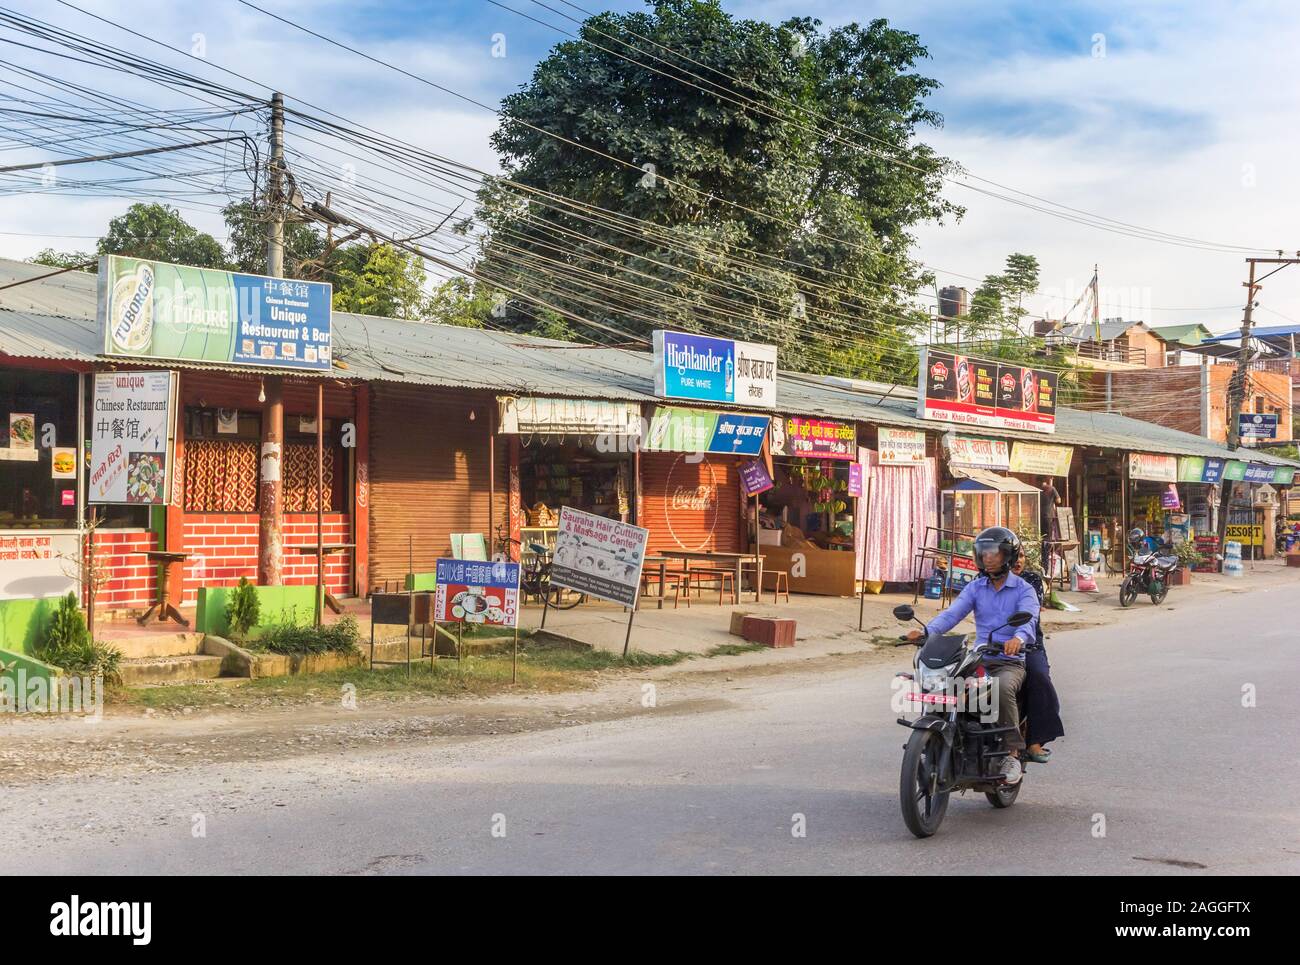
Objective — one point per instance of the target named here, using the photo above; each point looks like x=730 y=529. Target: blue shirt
x=993 y=608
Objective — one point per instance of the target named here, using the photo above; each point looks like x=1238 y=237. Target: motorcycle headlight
x=932 y=680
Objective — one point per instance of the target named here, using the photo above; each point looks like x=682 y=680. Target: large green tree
x=159 y=233
x=778 y=206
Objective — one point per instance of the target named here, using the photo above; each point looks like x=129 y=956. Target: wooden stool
x=704 y=574
x=780 y=583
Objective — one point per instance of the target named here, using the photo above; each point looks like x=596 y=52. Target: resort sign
x=706 y=369
x=155 y=310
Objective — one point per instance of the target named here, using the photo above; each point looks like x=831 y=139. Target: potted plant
x=1188 y=556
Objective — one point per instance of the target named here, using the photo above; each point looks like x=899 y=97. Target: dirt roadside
x=132 y=745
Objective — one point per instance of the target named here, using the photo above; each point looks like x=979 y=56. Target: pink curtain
x=901 y=502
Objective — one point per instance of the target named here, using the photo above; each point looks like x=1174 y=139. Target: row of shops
x=396 y=466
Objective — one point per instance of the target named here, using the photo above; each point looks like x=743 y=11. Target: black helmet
x=997 y=538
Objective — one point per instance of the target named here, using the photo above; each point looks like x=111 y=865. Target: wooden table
x=733 y=561
x=661 y=562
x=165 y=610
x=326 y=550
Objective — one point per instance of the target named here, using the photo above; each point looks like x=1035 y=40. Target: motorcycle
x=951 y=748
x=1148 y=573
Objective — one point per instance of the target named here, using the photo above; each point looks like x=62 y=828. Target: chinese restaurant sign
x=813 y=438
x=697 y=430
x=130 y=452
x=979 y=453
x=154 y=310
x=477 y=591
x=598 y=556
x=900 y=447
x=967 y=391
x=706 y=369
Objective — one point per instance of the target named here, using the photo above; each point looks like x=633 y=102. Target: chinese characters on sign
x=129 y=438
x=598 y=556
x=967 y=391
x=477 y=591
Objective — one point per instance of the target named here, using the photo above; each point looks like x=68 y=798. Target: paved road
x=1159 y=744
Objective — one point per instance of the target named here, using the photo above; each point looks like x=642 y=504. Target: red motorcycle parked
x=1149 y=569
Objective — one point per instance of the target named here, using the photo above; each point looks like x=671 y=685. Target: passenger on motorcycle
x=993 y=597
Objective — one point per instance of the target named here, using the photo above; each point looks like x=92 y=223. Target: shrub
x=342 y=636
x=1188 y=555
x=242 y=609
x=67 y=644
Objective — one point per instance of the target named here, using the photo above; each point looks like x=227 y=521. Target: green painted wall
x=420 y=582
x=276 y=604
x=22 y=622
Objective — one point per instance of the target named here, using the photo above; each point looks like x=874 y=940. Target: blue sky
x=1186 y=124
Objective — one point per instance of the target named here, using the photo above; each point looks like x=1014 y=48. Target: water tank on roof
x=954 y=302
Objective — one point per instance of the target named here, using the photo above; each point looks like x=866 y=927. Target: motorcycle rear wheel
x=1128 y=591
x=922 y=812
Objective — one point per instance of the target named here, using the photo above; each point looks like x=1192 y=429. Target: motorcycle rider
x=994 y=596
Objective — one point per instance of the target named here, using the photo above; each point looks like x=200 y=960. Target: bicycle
x=535 y=572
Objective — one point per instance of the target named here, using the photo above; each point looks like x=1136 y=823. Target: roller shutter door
x=691 y=505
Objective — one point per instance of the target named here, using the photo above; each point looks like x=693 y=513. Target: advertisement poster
x=598 y=556
x=900 y=447
x=35 y=566
x=129 y=438
x=155 y=310
x=63 y=462
x=1031 y=457
x=813 y=438
x=978 y=453
x=22 y=430
x=855 y=479
x=754 y=478
x=968 y=391
x=706 y=369
x=698 y=430
x=1144 y=465
x=476 y=591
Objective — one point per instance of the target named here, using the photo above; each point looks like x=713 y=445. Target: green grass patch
x=734 y=649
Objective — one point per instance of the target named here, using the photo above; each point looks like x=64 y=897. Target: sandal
x=1040 y=757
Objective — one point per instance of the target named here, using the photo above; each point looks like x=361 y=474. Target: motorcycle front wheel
x=1128 y=591
x=1159 y=590
x=923 y=810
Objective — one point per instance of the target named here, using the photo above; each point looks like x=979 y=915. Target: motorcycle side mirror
x=1019 y=619
x=904 y=612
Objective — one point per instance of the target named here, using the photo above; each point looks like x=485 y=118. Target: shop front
x=806 y=520
x=898 y=512
x=1155 y=505
x=691 y=495
x=581 y=453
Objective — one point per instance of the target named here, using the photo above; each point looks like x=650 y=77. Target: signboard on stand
x=130 y=438
x=754 y=478
x=477 y=591
x=968 y=391
x=598 y=556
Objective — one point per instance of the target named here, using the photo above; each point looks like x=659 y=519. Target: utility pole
x=270 y=529
x=1241 y=379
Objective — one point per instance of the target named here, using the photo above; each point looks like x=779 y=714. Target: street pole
x=270 y=556
x=1240 y=380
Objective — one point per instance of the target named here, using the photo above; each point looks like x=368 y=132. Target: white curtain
x=901 y=502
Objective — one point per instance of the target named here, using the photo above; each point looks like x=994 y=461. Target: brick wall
x=223 y=547
x=132 y=581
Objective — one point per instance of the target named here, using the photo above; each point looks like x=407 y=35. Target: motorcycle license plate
x=940 y=699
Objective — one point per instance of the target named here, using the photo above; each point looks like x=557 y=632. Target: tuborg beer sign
x=154 y=310
x=977 y=392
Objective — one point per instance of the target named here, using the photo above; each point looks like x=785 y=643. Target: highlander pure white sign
x=130 y=438
x=598 y=556
x=707 y=369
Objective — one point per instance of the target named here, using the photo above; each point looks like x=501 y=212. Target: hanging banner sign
x=1234 y=470
x=1213 y=471
x=529 y=415
x=598 y=556
x=1169 y=498
x=900 y=447
x=979 y=453
x=130 y=450
x=1191 y=468
x=813 y=438
x=1282 y=476
x=697 y=430
x=1258 y=472
x=967 y=391
x=1257 y=425
x=855 y=479
x=1031 y=457
x=1144 y=465
x=754 y=478
x=706 y=369
x=477 y=591
x=155 y=310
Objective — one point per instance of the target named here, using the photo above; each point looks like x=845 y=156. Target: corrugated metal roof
x=390 y=350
